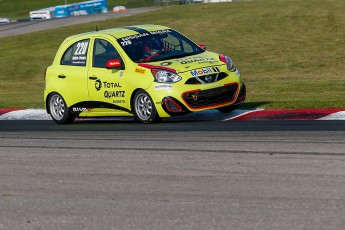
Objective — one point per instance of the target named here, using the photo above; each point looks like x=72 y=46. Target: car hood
x=189 y=63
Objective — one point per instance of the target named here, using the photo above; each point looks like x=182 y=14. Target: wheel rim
x=57 y=107
x=143 y=107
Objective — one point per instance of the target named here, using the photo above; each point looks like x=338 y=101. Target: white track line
x=334 y=116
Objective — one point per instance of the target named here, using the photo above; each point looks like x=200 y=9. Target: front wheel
x=58 y=109
x=144 y=108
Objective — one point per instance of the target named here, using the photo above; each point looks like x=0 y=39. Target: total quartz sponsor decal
x=107 y=85
x=109 y=91
x=110 y=85
x=114 y=93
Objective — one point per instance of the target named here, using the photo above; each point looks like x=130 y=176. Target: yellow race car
x=146 y=71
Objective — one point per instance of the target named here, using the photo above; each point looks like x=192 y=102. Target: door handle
x=61 y=76
x=93 y=78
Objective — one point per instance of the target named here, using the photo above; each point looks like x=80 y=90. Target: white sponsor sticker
x=163 y=86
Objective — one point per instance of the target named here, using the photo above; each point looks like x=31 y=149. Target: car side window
x=103 y=51
x=76 y=54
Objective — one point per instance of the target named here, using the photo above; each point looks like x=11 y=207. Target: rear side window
x=76 y=54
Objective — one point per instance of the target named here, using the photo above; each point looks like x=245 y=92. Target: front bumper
x=199 y=100
x=210 y=98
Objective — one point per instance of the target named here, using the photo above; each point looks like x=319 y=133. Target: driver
x=152 y=47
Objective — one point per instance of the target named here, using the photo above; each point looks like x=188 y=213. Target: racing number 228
x=81 y=48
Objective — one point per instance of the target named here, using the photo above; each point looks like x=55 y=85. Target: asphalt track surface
x=184 y=174
x=110 y=174
x=24 y=27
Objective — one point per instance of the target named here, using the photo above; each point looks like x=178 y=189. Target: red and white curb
x=240 y=114
x=24 y=114
x=292 y=114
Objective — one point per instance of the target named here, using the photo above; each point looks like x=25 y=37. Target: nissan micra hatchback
x=146 y=71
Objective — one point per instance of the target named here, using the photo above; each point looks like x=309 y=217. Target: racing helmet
x=152 y=45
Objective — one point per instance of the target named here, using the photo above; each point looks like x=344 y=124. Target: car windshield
x=158 y=45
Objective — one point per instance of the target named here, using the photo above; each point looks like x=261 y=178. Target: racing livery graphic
x=149 y=72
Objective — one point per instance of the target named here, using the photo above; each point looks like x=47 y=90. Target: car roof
x=123 y=31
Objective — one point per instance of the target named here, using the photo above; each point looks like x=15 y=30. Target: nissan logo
x=208 y=78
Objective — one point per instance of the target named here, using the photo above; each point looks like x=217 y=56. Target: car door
x=72 y=73
x=107 y=87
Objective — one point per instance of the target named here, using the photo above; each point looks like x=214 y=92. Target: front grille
x=211 y=97
x=206 y=79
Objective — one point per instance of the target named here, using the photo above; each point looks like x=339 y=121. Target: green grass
x=290 y=52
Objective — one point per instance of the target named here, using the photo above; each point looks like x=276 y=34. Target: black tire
x=228 y=109
x=58 y=109
x=143 y=108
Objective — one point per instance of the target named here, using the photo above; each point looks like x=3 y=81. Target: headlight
x=164 y=76
x=229 y=64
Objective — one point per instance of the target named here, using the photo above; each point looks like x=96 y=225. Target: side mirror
x=202 y=46
x=113 y=64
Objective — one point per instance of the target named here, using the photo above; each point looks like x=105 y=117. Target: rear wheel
x=144 y=108
x=58 y=109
